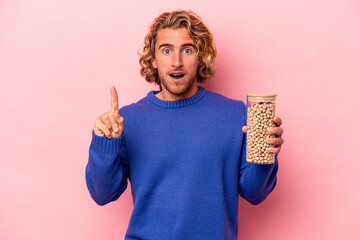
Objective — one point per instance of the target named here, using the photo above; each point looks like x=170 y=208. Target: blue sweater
x=186 y=164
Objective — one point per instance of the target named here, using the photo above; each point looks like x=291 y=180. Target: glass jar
x=260 y=112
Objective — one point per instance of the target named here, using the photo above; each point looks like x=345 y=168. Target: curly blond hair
x=199 y=33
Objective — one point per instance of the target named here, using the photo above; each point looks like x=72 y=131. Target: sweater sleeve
x=107 y=169
x=256 y=181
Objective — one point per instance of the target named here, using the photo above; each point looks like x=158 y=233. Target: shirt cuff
x=103 y=144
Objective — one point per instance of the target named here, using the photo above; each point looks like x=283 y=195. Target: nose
x=177 y=61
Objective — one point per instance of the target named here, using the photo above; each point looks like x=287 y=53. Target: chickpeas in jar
x=260 y=112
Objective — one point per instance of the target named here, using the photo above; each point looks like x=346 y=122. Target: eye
x=187 y=50
x=166 y=51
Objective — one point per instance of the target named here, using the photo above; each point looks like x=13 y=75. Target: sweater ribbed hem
x=176 y=104
x=103 y=144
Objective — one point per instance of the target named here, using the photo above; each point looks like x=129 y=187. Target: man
x=182 y=147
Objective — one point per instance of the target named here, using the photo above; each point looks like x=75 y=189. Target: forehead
x=173 y=36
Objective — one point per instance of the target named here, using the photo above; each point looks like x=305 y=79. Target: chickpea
x=259 y=120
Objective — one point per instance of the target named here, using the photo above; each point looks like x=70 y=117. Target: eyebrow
x=170 y=45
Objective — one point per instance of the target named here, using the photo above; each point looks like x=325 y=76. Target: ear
x=154 y=63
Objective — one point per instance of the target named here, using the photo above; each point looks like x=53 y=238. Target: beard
x=177 y=90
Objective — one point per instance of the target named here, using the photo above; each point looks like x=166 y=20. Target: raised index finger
x=114 y=100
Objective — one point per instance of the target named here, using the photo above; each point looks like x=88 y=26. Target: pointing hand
x=110 y=124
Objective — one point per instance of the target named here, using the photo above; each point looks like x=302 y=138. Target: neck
x=167 y=96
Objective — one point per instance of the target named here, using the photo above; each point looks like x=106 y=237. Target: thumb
x=244 y=128
x=119 y=119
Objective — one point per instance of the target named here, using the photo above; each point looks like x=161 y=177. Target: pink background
x=58 y=59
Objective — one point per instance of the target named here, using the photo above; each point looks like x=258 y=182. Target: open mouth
x=177 y=75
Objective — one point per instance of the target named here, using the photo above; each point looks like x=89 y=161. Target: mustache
x=177 y=70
